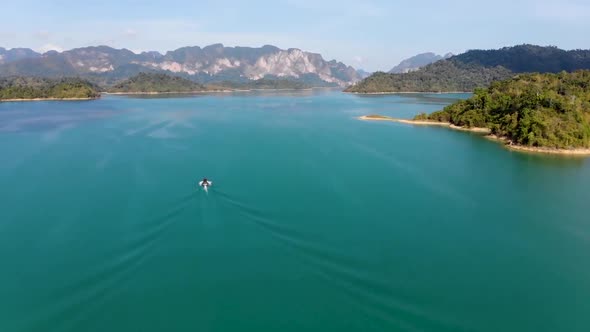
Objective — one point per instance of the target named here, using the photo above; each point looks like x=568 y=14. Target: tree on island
x=41 y=88
x=540 y=110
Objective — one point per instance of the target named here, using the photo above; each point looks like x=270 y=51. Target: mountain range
x=213 y=63
x=16 y=54
x=476 y=69
x=418 y=61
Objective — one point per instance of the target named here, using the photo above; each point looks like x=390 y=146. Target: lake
x=316 y=221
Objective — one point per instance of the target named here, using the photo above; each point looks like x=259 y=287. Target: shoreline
x=47 y=99
x=424 y=123
x=581 y=152
x=153 y=93
x=486 y=132
x=285 y=89
x=165 y=93
x=199 y=91
x=407 y=92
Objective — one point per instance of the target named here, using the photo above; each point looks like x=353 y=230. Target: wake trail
x=95 y=288
x=158 y=225
x=258 y=217
x=371 y=293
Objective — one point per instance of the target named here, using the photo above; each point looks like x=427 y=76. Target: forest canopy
x=540 y=110
x=40 y=88
x=476 y=69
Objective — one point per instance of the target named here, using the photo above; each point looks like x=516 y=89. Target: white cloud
x=50 y=47
x=358 y=59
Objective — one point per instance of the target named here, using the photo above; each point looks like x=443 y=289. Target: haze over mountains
x=418 y=61
x=476 y=69
x=213 y=63
x=16 y=54
x=272 y=67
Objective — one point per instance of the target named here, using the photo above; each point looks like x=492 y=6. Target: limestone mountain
x=213 y=63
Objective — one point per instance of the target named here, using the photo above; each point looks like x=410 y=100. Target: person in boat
x=205 y=182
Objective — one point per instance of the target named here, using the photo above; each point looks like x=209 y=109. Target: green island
x=475 y=69
x=159 y=83
x=441 y=76
x=19 y=88
x=531 y=112
x=153 y=83
x=265 y=84
x=35 y=88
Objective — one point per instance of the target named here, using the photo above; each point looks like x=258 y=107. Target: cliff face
x=214 y=62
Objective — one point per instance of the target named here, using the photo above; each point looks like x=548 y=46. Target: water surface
x=316 y=221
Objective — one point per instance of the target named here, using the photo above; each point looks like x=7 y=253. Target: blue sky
x=374 y=35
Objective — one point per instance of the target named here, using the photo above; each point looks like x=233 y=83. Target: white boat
x=205 y=185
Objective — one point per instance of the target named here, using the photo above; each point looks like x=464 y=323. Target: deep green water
x=316 y=221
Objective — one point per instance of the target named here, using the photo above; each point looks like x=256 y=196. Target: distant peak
x=153 y=53
x=270 y=47
x=214 y=62
x=213 y=46
x=416 y=62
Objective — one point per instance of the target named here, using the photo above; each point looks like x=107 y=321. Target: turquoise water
x=316 y=221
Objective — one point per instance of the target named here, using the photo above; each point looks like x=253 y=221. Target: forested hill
x=154 y=82
x=43 y=88
x=528 y=59
x=539 y=110
x=265 y=84
x=476 y=68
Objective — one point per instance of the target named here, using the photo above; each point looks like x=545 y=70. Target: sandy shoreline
x=152 y=93
x=200 y=91
x=46 y=99
x=165 y=93
x=487 y=132
x=521 y=148
x=423 y=123
x=407 y=92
